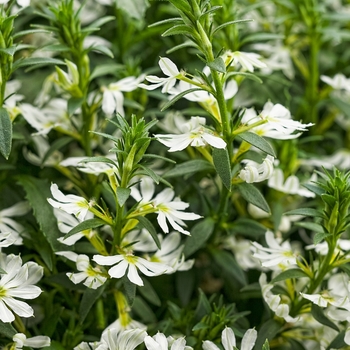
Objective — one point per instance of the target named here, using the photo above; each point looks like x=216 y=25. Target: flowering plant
x=163 y=181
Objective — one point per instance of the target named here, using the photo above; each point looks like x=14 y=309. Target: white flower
x=279 y=59
x=17 y=282
x=291 y=185
x=193 y=134
x=92 y=276
x=164 y=204
x=279 y=125
x=12 y=98
x=322 y=248
x=242 y=250
x=117 y=326
x=248 y=60
x=129 y=263
x=160 y=342
x=54 y=115
x=338 y=82
x=204 y=98
x=123 y=340
x=88 y=346
x=326 y=297
x=113 y=98
x=70 y=203
x=254 y=172
x=228 y=340
x=39 y=341
x=6 y=239
x=95 y=168
x=171 y=253
x=170 y=70
x=274 y=302
x=276 y=254
x=9 y=225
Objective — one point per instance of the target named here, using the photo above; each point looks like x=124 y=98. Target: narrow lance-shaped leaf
x=319 y=316
x=222 y=165
x=178 y=96
x=145 y=223
x=252 y=195
x=258 y=142
x=5 y=133
x=85 y=225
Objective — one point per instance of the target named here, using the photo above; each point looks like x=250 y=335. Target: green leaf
x=85 y=225
x=122 y=195
x=338 y=342
x=7 y=330
x=29 y=31
x=218 y=64
x=56 y=48
x=129 y=290
x=222 y=166
x=89 y=298
x=319 y=316
x=200 y=233
x=102 y=49
x=37 y=192
x=31 y=61
x=5 y=133
x=203 y=306
x=314 y=188
x=148 y=292
x=144 y=311
x=178 y=96
x=288 y=274
x=189 y=167
x=105 y=69
x=266 y=345
x=134 y=8
x=268 y=331
x=148 y=171
x=226 y=261
x=258 y=142
x=73 y=104
x=99 y=159
x=179 y=29
x=183 y=45
x=257 y=37
x=305 y=212
x=101 y=21
x=156 y=156
x=9 y=50
x=312 y=226
x=248 y=228
x=230 y=23
x=166 y=21
x=145 y=223
x=252 y=195
x=320 y=236
x=248 y=75
x=199 y=326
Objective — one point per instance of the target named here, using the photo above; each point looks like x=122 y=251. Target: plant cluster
x=174 y=174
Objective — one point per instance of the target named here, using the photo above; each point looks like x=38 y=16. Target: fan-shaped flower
x=170 y=70
x=130 y=264
x=193 y=134
x=17 y=282
x=228 y=340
